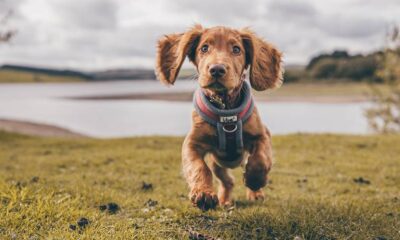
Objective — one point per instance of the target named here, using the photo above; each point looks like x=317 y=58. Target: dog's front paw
x=255 y=195
x=204 y=199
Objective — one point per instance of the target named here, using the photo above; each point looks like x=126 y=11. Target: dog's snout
x=217 y=70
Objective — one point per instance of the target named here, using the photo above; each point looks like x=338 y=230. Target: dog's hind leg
x=225 y=183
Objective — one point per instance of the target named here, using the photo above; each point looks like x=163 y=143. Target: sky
x=106 y=34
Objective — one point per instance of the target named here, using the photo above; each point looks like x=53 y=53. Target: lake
x=48 y=103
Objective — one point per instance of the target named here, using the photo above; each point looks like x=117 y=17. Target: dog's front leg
x=257 y=168
x=198 y=176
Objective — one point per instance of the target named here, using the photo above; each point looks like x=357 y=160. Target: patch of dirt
x=147 y=186
x=362 y=180
x=194 y=235
x=151 y=203
x=34 y=179
x=112 y=208
x=83 y=222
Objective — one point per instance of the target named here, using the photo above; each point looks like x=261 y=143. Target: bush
x=356 y=68
x=294 y=74
x=384 y=116
x=337 y=54
x=324 y=68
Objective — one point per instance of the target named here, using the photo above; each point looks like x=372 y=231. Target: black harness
x=228 y=122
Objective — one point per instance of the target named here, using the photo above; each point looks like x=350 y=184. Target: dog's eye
x=204 y=48
x=236 y=50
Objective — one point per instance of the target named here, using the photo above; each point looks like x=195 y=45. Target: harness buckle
x=228 y=119
x=229 y=129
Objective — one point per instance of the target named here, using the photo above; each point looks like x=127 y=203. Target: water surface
x=46 y=103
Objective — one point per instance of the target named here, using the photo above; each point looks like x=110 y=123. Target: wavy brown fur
x=264 y=62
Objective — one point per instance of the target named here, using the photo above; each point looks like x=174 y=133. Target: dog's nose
x=217 y=70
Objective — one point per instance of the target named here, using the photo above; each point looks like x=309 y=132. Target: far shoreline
x=37 y=129
x=188 y=97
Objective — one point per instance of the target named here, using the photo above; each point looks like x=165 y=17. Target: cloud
x=305 y=16
x=95 y=34
x=351 y=27
x=291 y=10
x=212 y=12
x=7 y=5
x=87 y=14
x=305 y=28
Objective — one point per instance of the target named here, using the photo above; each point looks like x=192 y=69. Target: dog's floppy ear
x=264 y=61
x=172 y=51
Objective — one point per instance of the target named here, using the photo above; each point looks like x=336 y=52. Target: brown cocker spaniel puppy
x=229 y=137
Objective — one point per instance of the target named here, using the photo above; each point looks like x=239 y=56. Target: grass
x=47 y=184
x=10 y=76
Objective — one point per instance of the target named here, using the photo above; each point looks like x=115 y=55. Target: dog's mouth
x=216 y=92
x=216 y=87
x=222 y=97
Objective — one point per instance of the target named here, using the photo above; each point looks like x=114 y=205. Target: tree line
x=339 y=65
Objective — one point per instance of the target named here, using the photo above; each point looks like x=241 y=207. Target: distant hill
x=22 y=74
x=335 y=66
x=17 y=73
x=47 y=71
x=125 y=74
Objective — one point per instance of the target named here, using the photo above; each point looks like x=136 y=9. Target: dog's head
x=221 y=56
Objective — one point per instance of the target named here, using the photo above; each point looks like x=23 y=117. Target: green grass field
x=48 y=184
x=11 y=76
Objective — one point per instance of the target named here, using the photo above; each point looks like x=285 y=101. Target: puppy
x=226 y=125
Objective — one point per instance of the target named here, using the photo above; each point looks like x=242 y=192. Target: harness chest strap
x=227 y=121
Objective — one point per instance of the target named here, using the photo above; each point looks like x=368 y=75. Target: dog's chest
x=230 y=159
x=231 y=152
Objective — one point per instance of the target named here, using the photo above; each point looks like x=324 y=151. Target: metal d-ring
x=230 y=131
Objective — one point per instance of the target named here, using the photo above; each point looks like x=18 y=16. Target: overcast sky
x=97 y=34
